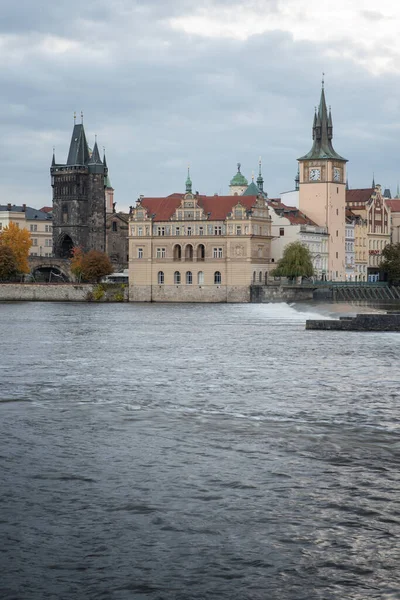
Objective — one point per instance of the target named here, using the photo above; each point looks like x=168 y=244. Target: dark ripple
x=196 y=452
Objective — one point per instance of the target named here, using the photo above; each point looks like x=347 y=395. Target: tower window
x=282 y=231
x=114 y=225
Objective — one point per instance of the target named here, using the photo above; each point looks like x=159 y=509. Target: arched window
x=200 y=278
x=260 y=277
x=266 y=278
x=189 y=252
x=177 y=277
x=254 y=276
x=177 y=252
x=201 y=252
x=160 y=277
x=217 y=277
x=189 y=277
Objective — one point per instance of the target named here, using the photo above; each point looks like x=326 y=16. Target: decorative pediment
x=189 y=209
x=238 y=212
x=139 y=213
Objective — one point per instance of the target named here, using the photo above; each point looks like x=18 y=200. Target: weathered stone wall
x=362 y=322
x=265 y=293
x=57 y=292
x=97 y=212
x=189 y=293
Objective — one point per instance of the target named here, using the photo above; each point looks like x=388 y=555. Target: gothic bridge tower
x=322 y=188
x=79 y=206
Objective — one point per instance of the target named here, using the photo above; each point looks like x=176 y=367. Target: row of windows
x=162 y=230
x=34 y=227
x=47 y=243
x=189 y=278
x=177 y=252
x=377 y=244
x=44 y=254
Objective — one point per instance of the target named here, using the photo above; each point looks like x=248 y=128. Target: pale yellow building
x=394 y=205
x=322 y=189
x=37 y=222
x=194 y=248
x=374 y=210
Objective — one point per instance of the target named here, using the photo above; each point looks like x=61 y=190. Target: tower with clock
x=322 y=188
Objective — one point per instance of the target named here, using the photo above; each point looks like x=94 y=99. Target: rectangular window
x=217 y=252
x=177 y=231
x=140 y=231
x=238 y=230
x=217 y=230
x=189 y=231
x=201 y=230
x=160 y=230
x=282 y=231
x=140 y=253
x=337 y=233
x=34 y=242
x=160 y=252
x=114 y=226
x=337 y=254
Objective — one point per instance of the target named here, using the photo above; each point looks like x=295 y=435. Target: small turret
x=297 y=180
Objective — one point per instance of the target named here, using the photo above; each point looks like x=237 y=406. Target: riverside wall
x=55 y=292
x=260 y=294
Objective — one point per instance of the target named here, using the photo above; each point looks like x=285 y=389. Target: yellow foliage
x=19 y=240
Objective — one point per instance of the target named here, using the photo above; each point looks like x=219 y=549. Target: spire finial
x=74 y=117
x=238 y=167
x=82 y=117
x=259 y=166
x=373 y=180
x=188 y=181
x=252 y=176
x=323 y=80
x=95 y=137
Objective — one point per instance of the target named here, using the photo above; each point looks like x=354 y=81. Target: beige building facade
x=322 y=189
x=373 y=208
x=37 y=222
x=193 y=248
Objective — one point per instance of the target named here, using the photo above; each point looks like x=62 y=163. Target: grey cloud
x=372 y=15
x=158 y=99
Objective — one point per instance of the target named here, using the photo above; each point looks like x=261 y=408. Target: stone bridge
x=50 y=269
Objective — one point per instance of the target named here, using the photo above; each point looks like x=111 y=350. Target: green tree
x=391 y=263
x=295 y=262
x=8 y=263
x=95 y=265
x=19 y=240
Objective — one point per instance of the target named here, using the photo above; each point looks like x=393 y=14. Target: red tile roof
x=394 y=204
x=46 y=209
x=360 y=195
x=217 y=207
x=292 y=213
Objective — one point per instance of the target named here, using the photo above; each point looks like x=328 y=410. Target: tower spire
x=322 y=131
x=373 y=180
x=188 y=182
x=53 y=162
x=260 y=180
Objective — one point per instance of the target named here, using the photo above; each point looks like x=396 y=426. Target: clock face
x=315 y=174
x=336 y=174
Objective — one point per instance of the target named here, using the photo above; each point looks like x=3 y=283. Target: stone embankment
x=363 y=322
x=62 y=292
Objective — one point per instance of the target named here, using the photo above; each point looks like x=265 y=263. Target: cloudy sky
x=164 y=83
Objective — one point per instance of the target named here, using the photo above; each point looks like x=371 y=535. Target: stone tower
x=322 y=188
x=79 y=206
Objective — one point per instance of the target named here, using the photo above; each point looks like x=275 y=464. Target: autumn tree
x=391 y=263
x=295 y=262
x=76 y=262
x=19 y=241
x=8 y=263
x=95 y=265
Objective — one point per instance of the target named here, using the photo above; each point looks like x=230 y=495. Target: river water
x=196 y=452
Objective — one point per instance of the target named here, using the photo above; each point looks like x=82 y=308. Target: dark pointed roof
x=78 y=151
x=95 y=158
x=322 y=134
x=252 y=190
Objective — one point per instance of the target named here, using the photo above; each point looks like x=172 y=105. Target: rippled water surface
x=196 y=452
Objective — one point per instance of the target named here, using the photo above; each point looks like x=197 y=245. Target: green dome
x=239 y=179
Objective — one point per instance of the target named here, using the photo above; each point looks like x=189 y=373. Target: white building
x=350 y=251
x=37 y=222
x=291 y=225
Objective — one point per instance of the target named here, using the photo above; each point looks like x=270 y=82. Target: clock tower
x=322 y=189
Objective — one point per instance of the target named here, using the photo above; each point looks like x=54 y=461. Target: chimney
x=24 y=208
x=9 y=206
